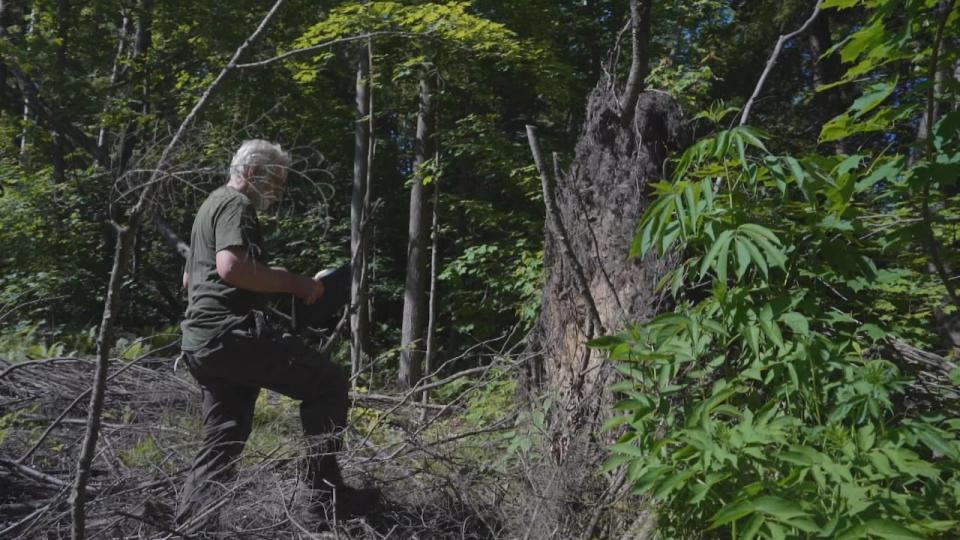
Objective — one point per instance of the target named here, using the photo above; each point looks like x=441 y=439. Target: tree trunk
x=115 y=73
x=826 y=70
x=598 y=202
x=359 y=214
x=141 y=44
x=414 y=293
x=105 y=343
x=27 y=112
x=59 y=148
x=432 y=298
x=640 y=21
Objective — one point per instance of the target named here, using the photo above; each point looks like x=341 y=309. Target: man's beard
x=262 y=201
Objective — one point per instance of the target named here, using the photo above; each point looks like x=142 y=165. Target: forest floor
x=448 y=470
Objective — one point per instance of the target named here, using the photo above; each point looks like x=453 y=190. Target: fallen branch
x=13 y=367
x=37 y=476
x=372 y=398
x=73 y=404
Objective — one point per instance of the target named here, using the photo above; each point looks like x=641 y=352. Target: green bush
x=771 y=402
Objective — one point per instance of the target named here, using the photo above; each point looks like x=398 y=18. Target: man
x=233 y=353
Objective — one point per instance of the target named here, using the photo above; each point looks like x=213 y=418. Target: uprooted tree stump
x=600 y=199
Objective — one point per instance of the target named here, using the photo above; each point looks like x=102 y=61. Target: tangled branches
x=437 y=464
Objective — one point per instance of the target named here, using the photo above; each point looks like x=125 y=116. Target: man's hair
x=258 y=160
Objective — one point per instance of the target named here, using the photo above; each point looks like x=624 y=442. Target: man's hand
x=309 y=289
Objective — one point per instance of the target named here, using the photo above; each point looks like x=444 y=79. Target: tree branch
x=320 y=46
x=559 y=231
x=640 y=14
x=773 y=60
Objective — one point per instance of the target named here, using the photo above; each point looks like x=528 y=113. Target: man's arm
x=238 y=268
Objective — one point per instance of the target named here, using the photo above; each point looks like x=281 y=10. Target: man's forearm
x=237 y=268
x=251 y=275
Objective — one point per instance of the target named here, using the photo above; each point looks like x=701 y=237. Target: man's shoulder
x=223 y=197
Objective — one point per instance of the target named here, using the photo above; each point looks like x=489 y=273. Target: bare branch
x=320 y=46
x=559 y=231
x=773 y=60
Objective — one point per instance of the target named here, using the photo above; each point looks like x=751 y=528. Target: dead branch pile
x=441 y=476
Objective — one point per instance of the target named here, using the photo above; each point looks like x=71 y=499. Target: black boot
x=320 y=508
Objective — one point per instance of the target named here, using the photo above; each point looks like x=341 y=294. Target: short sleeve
x=236 y=226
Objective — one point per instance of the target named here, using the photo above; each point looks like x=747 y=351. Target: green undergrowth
x=772 y=401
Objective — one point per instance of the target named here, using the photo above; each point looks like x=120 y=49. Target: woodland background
x=788 y=229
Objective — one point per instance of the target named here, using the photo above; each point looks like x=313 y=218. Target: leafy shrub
x=770 y=403
x=767 y=403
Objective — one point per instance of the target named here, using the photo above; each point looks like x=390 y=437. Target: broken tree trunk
x=596 y=204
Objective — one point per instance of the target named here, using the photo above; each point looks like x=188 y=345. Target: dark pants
x=231 y=375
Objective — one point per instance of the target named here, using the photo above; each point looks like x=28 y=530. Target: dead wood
x=435 y=484
x=599 y=200
x=774 y=56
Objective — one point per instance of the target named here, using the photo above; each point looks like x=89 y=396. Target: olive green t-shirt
x=226 y=219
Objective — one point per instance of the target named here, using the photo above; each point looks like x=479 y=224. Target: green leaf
x=756 y=256
x=839 y=4
x=674 y=481
x=722 y=241
x=759 y=231
x=882 y=528
x=774 y=256
x=722 y=260
x=605 y=342
x=797 y=323
x=731 y=512
x=872 y=97
x=743 y=257
x=770 y=328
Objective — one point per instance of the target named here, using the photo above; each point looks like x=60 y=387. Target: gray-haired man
x=232 y=354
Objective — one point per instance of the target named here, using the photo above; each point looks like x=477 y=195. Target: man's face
x=270 y=191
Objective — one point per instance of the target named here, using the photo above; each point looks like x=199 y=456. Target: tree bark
x=825 y=70
x=141 y=44
x=414 y=295
x=598 y=202
x=359 y=214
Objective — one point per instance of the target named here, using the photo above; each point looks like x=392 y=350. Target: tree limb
x=773 y=60
x=640 y=15
x=317 y=47
x=559 y=231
